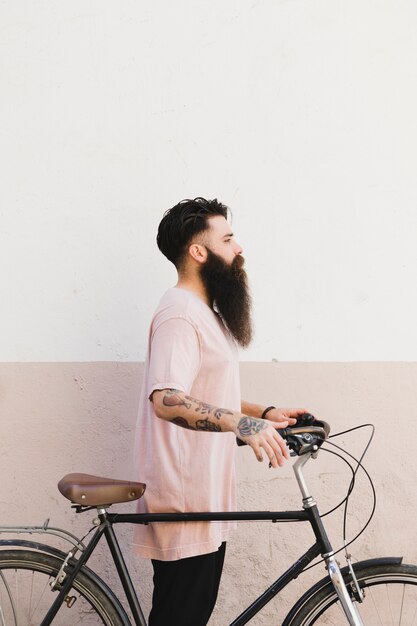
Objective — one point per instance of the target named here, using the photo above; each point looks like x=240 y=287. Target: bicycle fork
x=349 y=607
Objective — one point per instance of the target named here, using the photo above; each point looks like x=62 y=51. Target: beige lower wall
x=58 y=418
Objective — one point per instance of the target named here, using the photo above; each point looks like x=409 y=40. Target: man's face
x=219 y=239
x=225 y=280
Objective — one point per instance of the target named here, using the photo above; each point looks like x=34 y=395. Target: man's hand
x=262 y=434
x=285 y=417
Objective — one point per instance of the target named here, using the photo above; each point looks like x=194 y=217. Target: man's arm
x=183 y=410
x=284 y=417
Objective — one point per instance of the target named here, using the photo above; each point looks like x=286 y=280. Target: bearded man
x=191 y=411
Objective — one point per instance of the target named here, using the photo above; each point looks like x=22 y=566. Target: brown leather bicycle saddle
x=88 y=490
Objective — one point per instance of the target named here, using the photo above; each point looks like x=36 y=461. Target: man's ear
x=198 y=252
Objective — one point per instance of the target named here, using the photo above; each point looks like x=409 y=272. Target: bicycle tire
x=390 y=597
x=26 y=594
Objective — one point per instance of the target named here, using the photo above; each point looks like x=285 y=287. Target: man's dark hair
x=182 y=223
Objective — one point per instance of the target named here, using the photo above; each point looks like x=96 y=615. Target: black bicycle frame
x=321 y=546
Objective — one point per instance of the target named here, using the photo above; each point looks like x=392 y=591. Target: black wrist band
x=268 y=408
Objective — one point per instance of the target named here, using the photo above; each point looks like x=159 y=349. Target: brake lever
x=306 y=436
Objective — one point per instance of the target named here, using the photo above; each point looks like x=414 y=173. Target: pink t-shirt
x=184 y=470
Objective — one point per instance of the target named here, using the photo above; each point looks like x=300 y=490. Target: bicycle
x=41 y=585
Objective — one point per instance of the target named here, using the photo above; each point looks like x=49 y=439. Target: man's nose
x=238 y=249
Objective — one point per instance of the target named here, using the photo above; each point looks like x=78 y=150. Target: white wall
x=300 y=115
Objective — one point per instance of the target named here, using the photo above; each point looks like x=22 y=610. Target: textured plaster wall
x=58 y=418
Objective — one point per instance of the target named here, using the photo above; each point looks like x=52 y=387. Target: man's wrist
x=266 y=411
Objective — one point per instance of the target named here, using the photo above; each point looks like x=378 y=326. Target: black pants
x=185 y=591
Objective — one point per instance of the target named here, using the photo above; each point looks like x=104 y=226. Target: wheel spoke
x=390 y=599
x=41 y=597
x=26 y=594
x=370 y=591
x=10 y=598
x=402 y=606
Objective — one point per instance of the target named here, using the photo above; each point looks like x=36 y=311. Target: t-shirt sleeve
x=175 y=356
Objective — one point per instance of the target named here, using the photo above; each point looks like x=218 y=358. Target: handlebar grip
x=305 y=419
x=307 y=432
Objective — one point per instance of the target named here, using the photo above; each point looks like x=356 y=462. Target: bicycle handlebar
x=306 y=436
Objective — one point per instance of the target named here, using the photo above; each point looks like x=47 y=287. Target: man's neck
x=196 y=286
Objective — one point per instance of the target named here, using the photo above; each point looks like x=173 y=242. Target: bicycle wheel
x=390 y=598
x=26 y=594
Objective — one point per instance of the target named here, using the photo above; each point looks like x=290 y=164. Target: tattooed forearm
x=187 y=412
x=180 y=421
x=199 y=425
x=173 y=405
x=250 y=426
x=207 y=425
x=218 y=413
x=204 y=407
x=173 y=397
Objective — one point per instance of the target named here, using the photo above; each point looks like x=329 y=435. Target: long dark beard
x=227 y=286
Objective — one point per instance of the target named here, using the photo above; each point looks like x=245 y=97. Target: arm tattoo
x=172 y=398
x=199 y=425
x=204 y=407
x=180 y=421
x=248 y=426
x=201 y=406
x=206 y=425
x=219 y=412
